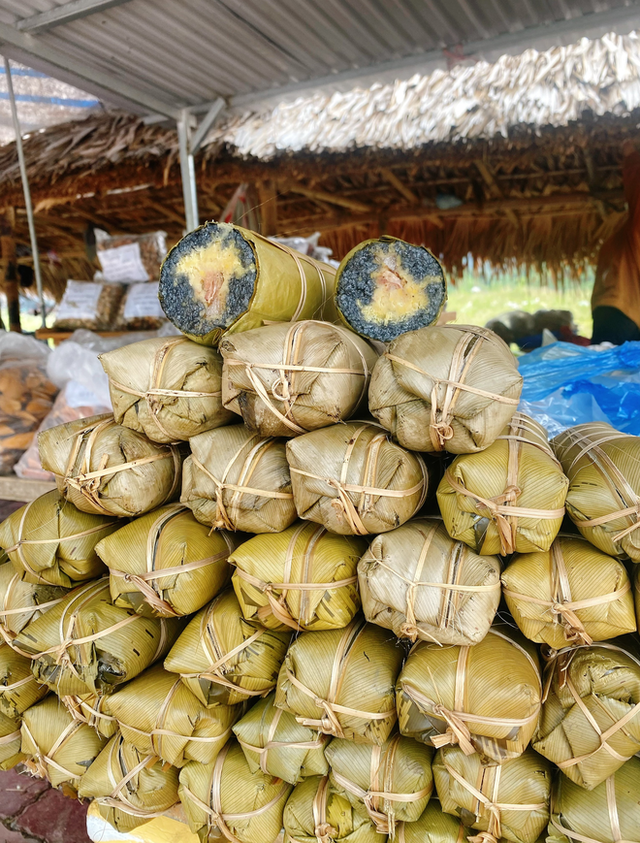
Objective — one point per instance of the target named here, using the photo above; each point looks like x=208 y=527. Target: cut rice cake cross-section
x=222 y=279
x=386 y=287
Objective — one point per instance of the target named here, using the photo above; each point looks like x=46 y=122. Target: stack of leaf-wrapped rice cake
x=267 y=595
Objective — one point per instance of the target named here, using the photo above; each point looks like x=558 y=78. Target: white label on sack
x=80 y=300
x=123 y=263
x=142 y=300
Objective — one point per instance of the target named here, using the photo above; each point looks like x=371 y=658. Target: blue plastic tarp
x=567 y=384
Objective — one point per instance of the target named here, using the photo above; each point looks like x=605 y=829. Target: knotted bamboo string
x=270 y=743
x=251 y=460
x=87 y=482
x=383 y=820
x=154 y=393
x=603 y=736
x=216 y=818
x=118 y=798
x=18 y=546
x=489 y=802
x=38 y=761
x=344 y=502
x=612 y=476
x=457 y=731
x=328 y=723
x=612 y=810
x=562 y=607
x=278 y=604
x=146 y=582
x=465 y=352
x=324 y=832
x=283 y=387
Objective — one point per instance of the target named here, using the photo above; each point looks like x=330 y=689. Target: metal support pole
x=187 y=171
x=27 y=192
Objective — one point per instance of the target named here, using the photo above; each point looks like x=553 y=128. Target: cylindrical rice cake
x=386 y=287
x=222 y=279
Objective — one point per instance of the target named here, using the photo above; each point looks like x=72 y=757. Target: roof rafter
x=74 y=10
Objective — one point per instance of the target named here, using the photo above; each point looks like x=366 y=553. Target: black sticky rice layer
x=176 y=294
x=356 y=288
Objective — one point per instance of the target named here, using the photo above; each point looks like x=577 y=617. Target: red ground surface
x=32 y=812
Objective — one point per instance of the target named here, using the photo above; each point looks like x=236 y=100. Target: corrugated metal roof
x=41 y=101
x=188 y=52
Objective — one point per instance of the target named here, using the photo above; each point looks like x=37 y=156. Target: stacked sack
x=244 y=598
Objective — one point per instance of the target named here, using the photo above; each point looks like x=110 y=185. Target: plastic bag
x=26 y=395
x=567 y=384
x=140 y=309
x=89 y=305
x=75 y=401
x=131 y=257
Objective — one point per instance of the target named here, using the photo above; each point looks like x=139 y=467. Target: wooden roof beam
x=342 y=201
x=389 y=176
x=489 y=179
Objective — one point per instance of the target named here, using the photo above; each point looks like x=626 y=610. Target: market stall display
x=289 y=630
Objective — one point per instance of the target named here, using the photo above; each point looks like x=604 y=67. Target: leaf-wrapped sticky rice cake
x=422 y=584
x=168 y=388
x=450 y=388
x=303 y=578
x=222 y=279
x=52 y=542
x=18 y=687
x=509 y=497
x=603 y=467
x=433 y=826
x=22 y=601
x=60 y=749
x=351 y=479
x=608 y=814
x=485 y=698
x=236 y=480
x=224 y=659
x=129 y=788
x=285 y=380
x=386 y=287
x=590 y=721
x=226 y=800
x=94 y=710
x=507 y=801
x=160 y=716
x=10 y=743
x=389 y=783
x=86 y=644
x=273 y=741
x=166 y=563
x=320 y=812
x=105 y=468
x=570 y=594
x=342 y=682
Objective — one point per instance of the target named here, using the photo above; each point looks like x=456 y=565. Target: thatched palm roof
x=469 y=102
x=527 y=149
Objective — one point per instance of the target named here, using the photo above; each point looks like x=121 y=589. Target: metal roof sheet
x=184 y=53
